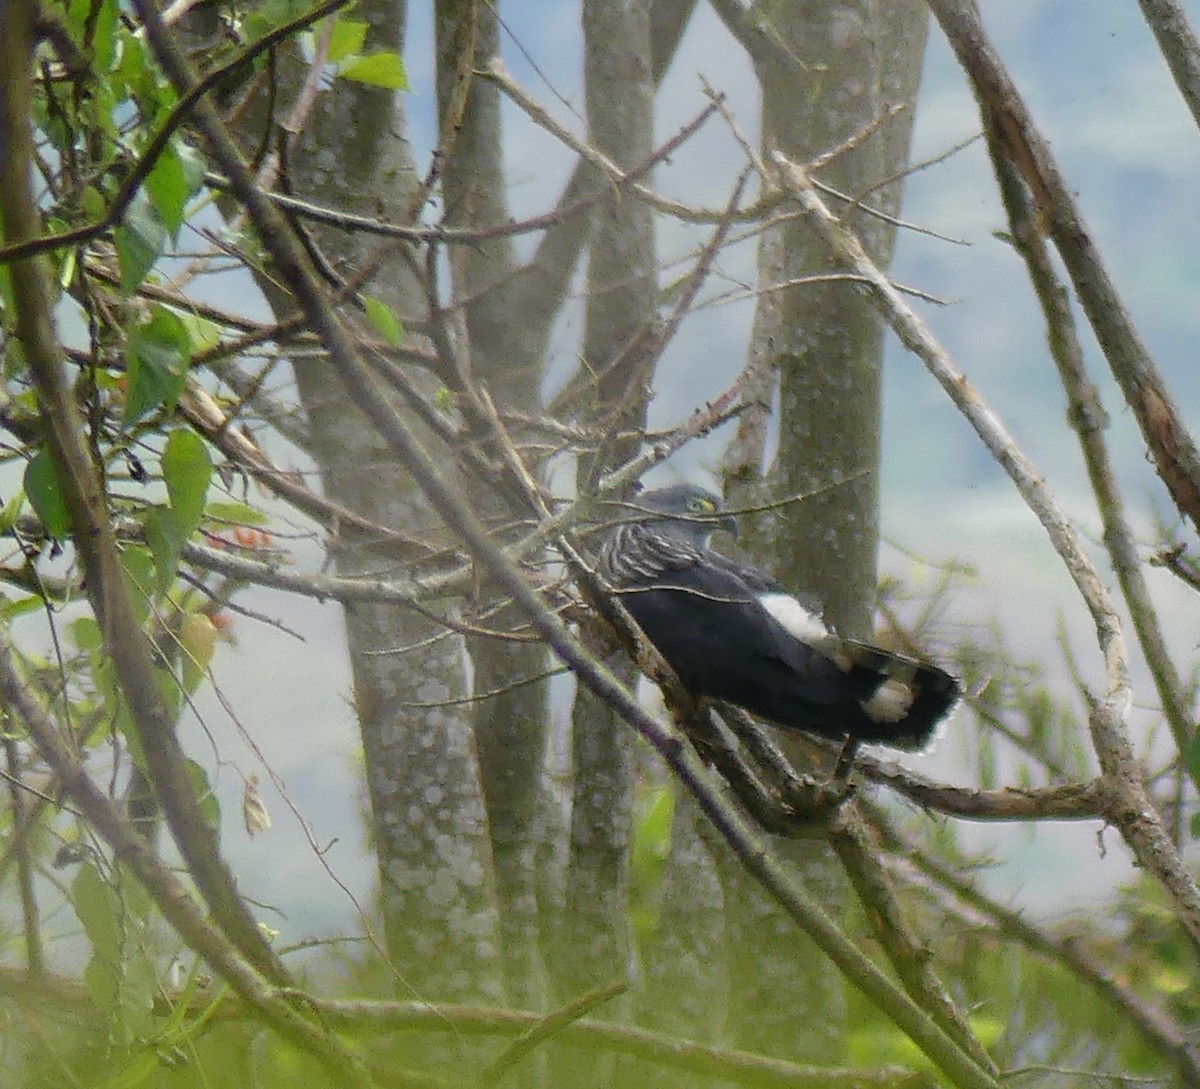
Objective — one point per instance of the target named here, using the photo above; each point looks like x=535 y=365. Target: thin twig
x=1007 y=119
x=1125 y=800
x=536 y=113
x=550 y=1026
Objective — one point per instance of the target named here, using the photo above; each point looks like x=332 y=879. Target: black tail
x=897 y=700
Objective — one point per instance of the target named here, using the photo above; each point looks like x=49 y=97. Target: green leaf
x=96 y=907
x=137 y=1071
x=11 y=512
x=120 y=975
x=171 y=692
x=204 y=334
x=194 y=165
x=166 y=544
x=167 y=188
x=12 y=361
x=385 y=323
x=874 y=1045
x=197 y=641
x=104 y=33
x=1191 y=756
x=346 y=39
x=652 y=828
x=158 y=360
x=85 y=634
x=66 y=271
x=379 y=70
x=185 y=1023
x=210 y=808
x=654 y=811
x=92 y=202
x=45 y=496
x=139 y=242
x=140 y=571
x=988 y=1030
x=187 y=471
x=239 y=514
x=135 y=73
x=96 y=25
x=264 y=17
x=6 y=297
x=21 y=606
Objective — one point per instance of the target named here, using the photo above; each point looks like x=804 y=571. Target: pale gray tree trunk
x=429 y=825
x=826 y=70
x=506 y=356
x=594 y=943
x=827 y=340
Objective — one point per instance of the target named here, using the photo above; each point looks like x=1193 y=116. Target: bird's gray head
x=686 y=512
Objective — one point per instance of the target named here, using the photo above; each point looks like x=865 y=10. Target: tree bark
x=505 y=356
x=429 y=823
x=826 y=72
x=594 y=943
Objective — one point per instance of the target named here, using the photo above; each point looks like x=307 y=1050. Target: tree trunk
x=826 y=71
x=594 y=944
x=506 y=357
x=429 y=824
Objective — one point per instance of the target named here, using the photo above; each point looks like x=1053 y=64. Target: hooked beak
x=729 y=524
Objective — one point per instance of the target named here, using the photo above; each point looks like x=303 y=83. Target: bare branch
x=1087 y=418
x=1179 y=45
x=907 y=953
x=1150 y=1020
x=1012 y=130
x=22 y=817
x=1126 y=801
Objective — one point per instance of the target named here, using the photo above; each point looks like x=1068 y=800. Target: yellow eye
x=701 y=504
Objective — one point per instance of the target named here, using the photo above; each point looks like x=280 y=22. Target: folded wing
x=732 y=633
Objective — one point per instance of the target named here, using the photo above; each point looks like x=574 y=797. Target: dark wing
x=705 y=613
x=732 y=633
x=762 y=583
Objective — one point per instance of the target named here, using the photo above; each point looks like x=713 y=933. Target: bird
x=732 y=633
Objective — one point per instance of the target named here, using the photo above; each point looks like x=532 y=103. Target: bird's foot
x=816 y=799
